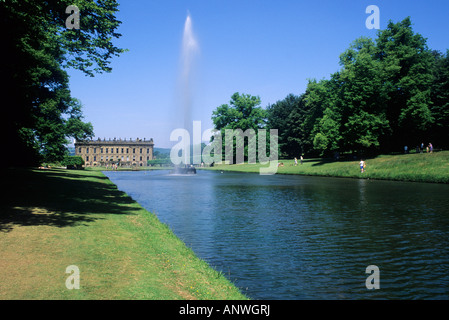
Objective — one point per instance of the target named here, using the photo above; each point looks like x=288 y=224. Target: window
x=140 y=158
x=87 y=158
x=95 y=157
x=112 y=150
x=116 y=151
x=87 y=149
x=134 y=150
x=122 y=150
x=127 y=150
x=148 y=150
x=140 y=150
x=95 y=151
x=101 y=150
x=79 y=150
x=106 y=150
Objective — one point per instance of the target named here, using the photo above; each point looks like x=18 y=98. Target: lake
x=297 y=237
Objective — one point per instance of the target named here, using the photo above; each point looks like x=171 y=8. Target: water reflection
x=291 y=237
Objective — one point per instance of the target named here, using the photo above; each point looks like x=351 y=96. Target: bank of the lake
x=425 y=167
x=52 y=219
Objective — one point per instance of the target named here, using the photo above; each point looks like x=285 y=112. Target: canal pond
x=298 y=237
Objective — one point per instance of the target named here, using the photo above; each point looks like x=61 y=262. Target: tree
x=297 y=139
x=327 y=132
x=242 y=113
x=407 y=66
x=390 y=92
x=73 y=162
x=380 y=99
x=317 y=98
x=361 y=100
x=287 y=117
x=440 y=100
x=40 y=110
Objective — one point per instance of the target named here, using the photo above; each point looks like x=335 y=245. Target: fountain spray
x=189 y=50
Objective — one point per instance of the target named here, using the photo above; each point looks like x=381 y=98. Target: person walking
x=296 y=161
x=362 y=166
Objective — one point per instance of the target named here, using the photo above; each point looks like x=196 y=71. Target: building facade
x=123 y=153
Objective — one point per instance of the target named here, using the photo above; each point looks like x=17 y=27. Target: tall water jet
x=189 y=51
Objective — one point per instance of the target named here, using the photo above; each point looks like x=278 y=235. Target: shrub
x=73 y=162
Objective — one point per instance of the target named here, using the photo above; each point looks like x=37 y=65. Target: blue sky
x=265 y=48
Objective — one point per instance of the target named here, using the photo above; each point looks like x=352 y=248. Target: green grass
x=100 y=168
x=50 y=219
x=407 y=167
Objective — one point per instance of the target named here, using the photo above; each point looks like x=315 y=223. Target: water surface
x=296 y=237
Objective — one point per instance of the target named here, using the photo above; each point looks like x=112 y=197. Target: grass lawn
x=100 y=168
x=51 y=219
x=424 y=167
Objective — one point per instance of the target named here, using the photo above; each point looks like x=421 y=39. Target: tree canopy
x=390 y=92
x=242 y=113
x=40 y=113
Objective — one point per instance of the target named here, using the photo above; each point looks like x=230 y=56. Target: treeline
x=390 y=92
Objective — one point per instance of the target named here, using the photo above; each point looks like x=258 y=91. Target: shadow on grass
x=58 y=198
x=342 y=159
x=322 y=161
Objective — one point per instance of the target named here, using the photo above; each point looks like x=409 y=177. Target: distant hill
x=164 y=153
x=71 y=150
x=162 y=150
x=161 y=153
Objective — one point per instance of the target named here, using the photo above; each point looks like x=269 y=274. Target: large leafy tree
x=359 y=108
x=380 y=99
x=242 y=113
x=389 y=92
x=319 y=96
x=39 y=111
x=407 y=66
x=287 y=117
x=440 y=100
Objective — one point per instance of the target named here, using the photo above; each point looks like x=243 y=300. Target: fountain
x=189 y=50
x=187 y=169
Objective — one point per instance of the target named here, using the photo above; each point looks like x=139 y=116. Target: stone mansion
x=123 y=153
